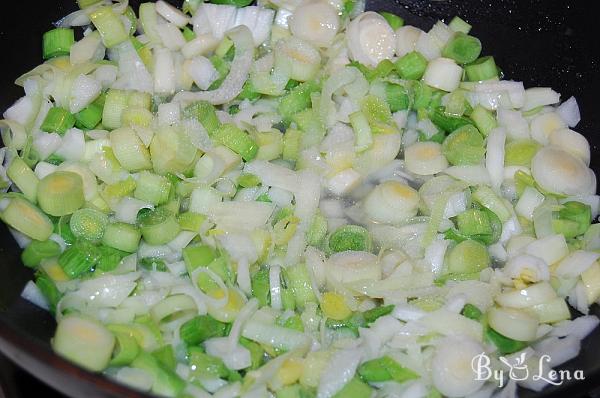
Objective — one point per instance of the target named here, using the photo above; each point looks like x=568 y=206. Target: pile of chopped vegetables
x=296 y=199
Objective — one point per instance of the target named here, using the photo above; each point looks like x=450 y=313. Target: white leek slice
x=471 y=174
x=406 y=37
x=443 y=73
x=370 y=39
x=572 y=142
x=391 y=202
x=90 y=185
x=451 y=366
x=225 y=215
x=316 y=22
x=425 y=158
x=557 y=171
x=45 y=144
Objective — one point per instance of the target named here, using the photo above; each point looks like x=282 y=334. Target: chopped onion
x=528 y=202
x=45 y=144
x=569 y=112
x=407 y=37
x=542 y=126
x=514 y=123
x=338 y=372
x=171 y=36
x=238 y=73
x=33 y=294
x=473 y=175
x=202 y=71
x=83 y=91
x=551 y=248
x=164 y=72
x=88 y=49
x=494 y=158
x=534 y=268
x=275 y=286
x=576 y=263
x=72 y=145
x=428 y=45
x=513 y=323
x=579 y=327
x=133 y=74
x=539 y=96
x=538 y=293
x=171 y=14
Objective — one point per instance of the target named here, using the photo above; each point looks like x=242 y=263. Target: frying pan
x=541 y=42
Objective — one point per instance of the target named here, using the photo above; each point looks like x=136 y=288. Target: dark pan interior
x=541 y=42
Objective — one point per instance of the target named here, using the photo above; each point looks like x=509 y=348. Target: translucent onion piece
x=575 y=263
x=538 y=293
x=514 y=324
x=234 y=82
x=533 y=268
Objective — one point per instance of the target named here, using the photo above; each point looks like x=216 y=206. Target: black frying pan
x=541 y=42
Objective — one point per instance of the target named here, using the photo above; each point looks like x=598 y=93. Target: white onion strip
x=234 y=82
